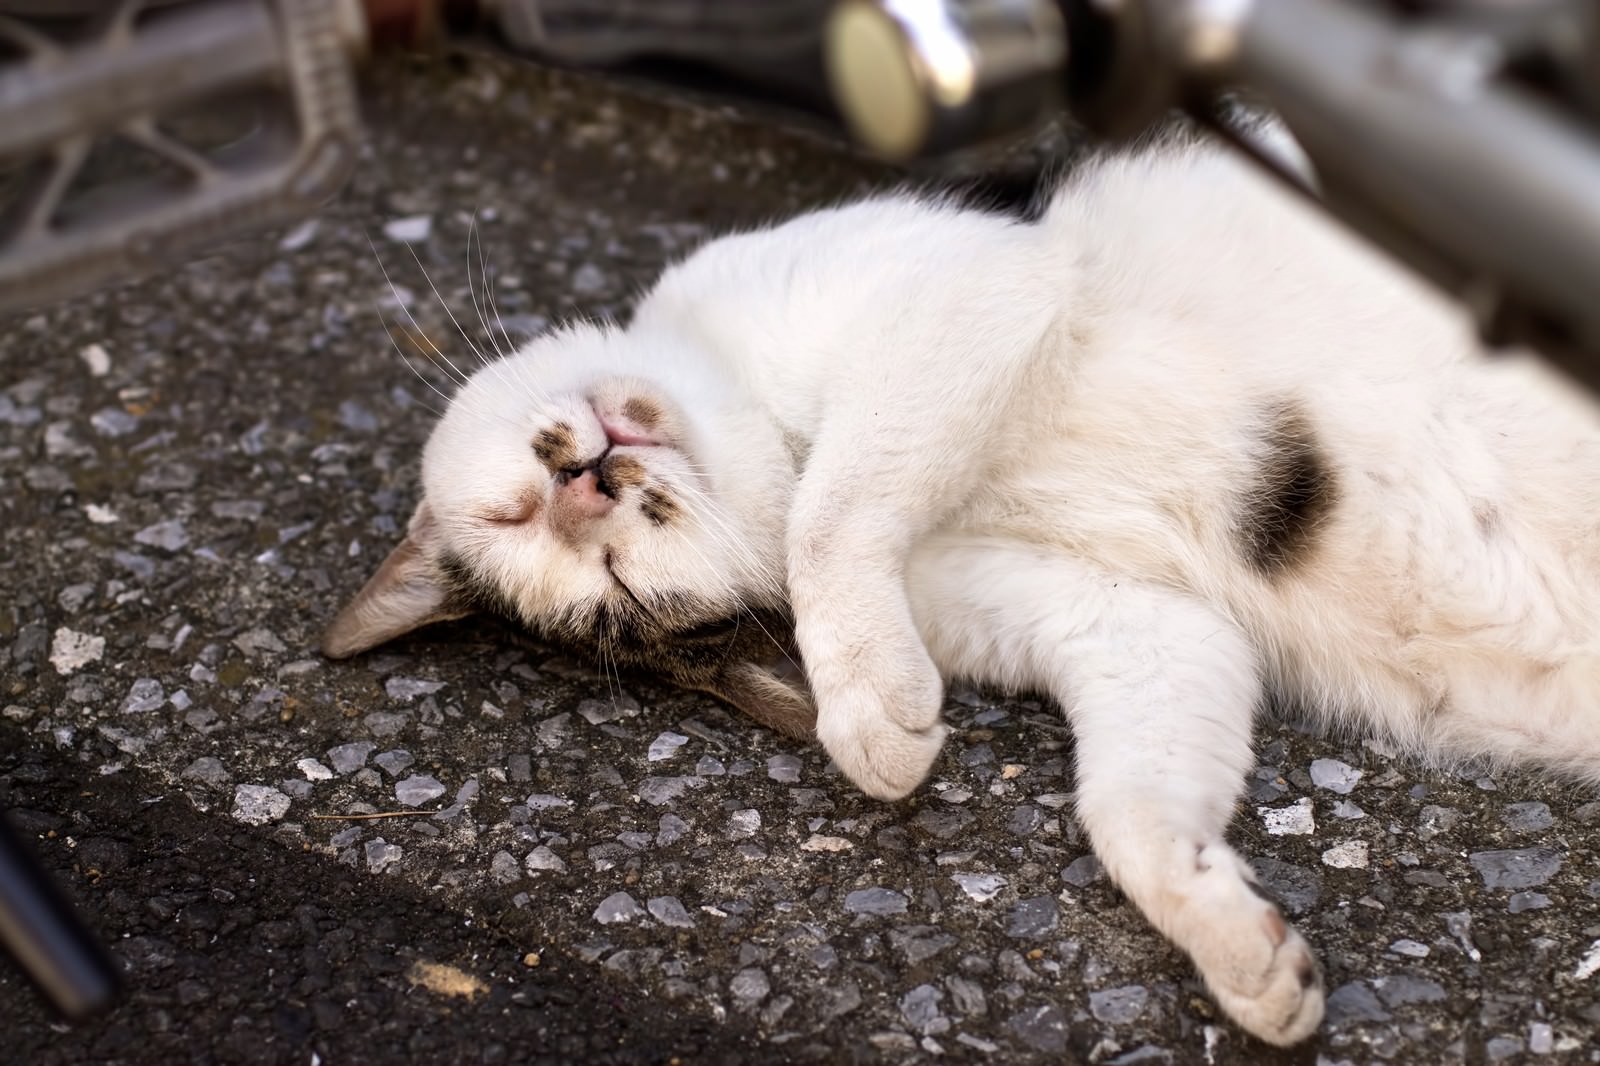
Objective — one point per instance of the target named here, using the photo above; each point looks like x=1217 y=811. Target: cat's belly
x=1405 y=610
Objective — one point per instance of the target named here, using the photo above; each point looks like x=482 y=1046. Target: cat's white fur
x=1026 y=454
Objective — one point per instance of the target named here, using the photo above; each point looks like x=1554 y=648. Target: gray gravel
x=186 y=507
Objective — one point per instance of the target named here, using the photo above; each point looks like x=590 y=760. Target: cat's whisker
x=416 y=328
x=519 y=374
x=728 y=587
x=608 y=658
x=777 y=646
x=473 y=235
x=472 y=294
x=727 y=541
x=730 y=540
x=388 y=332
x=486 y=272
x=437 y=296
x=466 y=401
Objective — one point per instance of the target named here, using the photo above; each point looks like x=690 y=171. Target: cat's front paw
x=882 y=757
x=878 y=696
x=1260 y=970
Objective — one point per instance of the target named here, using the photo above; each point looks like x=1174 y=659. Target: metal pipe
x=1417 y=129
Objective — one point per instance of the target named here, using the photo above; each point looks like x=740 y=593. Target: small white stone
x=144 y=695
x=168 y=536
x=314 y=770
x=542 y=858
x=669 y=911
x=410 y=230
x=298 y=237
x=1589 y=964
x=259 y=804
x=71 y=650
x=418 y=789
x=1335 y=776
x=100 y=516
x=981 y=887
x=814 y=842
x=1295 y=820
x=1411 y=949
x=618 y=907
x=588 y=279
x=1350 y=855
x=666 y=746
x=407 y=689
x=97 y=359
x=381 y=854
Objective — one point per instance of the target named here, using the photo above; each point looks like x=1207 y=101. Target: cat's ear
x=407 y=592
x=775 y=697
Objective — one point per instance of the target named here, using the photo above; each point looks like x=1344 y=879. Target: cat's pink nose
x=581 y=496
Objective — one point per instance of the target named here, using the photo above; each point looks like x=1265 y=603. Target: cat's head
x=612 y=495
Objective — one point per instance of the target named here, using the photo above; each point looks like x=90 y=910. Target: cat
x=1173 y=445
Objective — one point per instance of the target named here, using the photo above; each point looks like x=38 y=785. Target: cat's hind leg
x=1161 y=692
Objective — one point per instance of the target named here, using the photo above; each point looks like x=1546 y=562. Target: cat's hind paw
x=1259 y=968
x=1281 y=1004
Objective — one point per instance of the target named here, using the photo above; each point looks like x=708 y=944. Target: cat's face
x=635 y=516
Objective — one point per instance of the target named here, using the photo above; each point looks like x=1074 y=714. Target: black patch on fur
x=1293 y=494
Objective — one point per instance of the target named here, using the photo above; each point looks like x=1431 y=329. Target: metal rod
x=46 y=938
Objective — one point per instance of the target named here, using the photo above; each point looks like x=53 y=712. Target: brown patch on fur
x=1487 y=515
x=556 y=447
x=1185 y=513
x=658 y=506
x=618 y=472
x=645 y=412
x=1293 y=495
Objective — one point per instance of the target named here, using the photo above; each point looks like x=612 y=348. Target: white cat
x=1179 y=442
